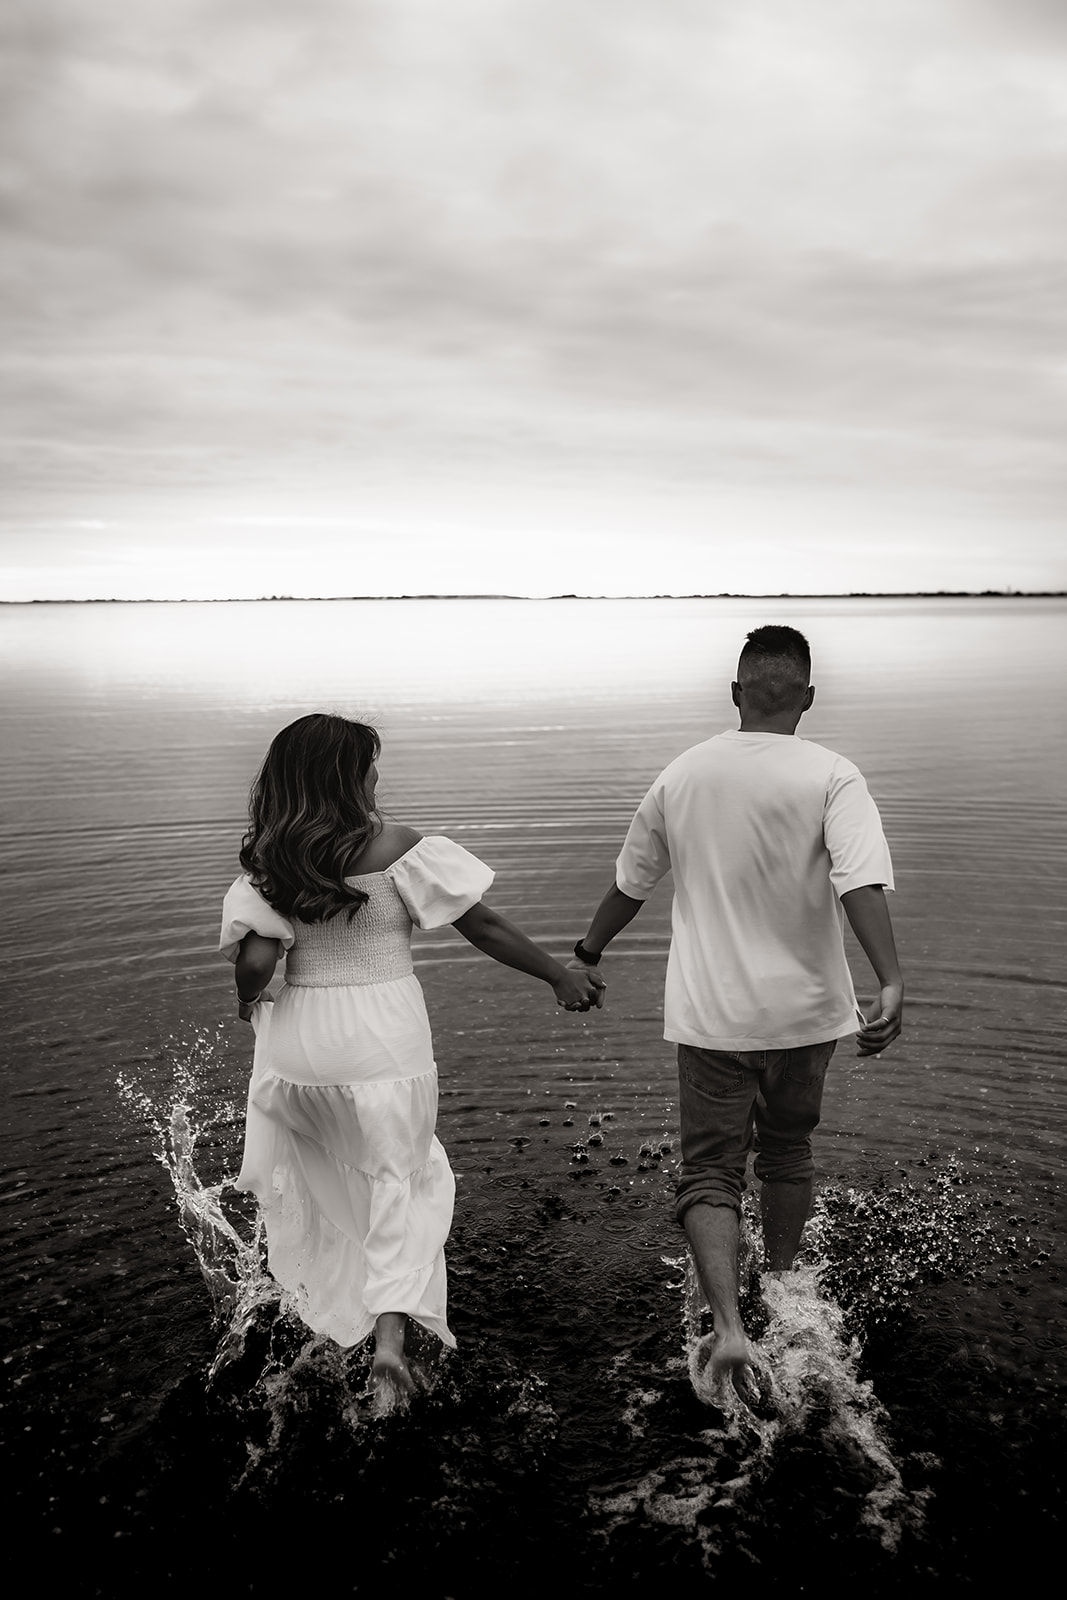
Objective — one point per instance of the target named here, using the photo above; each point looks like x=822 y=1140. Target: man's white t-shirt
x=764 y=833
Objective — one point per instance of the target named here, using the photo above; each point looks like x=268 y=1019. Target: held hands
x=884 y=1021
x=580 y=988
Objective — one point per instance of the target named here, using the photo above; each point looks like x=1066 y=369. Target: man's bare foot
x=727 y=1361
x=730 y=1360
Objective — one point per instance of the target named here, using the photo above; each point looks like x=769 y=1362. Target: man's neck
x=784 y=724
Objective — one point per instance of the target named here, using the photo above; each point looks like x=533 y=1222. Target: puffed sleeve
x=438 y=881
x=244 y=910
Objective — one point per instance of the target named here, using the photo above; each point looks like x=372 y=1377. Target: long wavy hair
x=310 y=812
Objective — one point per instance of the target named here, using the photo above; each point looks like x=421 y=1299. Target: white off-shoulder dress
x=340 y=1151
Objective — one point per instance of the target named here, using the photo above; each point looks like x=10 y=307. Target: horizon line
x=729 y=594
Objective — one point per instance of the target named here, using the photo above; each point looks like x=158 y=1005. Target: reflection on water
x=528 y=731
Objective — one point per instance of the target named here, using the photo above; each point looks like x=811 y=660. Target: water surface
x=528 y=731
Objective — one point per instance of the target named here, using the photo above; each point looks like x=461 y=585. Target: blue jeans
x=731 y=1101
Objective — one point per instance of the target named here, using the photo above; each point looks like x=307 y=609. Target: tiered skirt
x=353 y=1185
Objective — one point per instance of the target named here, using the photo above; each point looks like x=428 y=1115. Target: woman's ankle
x=389 y=1330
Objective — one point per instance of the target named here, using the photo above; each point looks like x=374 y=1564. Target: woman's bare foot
x=391 y=1381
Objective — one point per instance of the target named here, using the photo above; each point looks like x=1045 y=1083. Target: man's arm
x=644 y=859
x=868 y=917
x=610 y=917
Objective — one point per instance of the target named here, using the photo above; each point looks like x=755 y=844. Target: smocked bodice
x=432 y=884
x=374 y=946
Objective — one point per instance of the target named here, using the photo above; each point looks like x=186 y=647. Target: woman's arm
x=254 y=968
x=495 y=936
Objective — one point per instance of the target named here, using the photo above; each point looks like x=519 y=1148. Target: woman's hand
x=487 y=930
x=245 y=1008
x=580 y=991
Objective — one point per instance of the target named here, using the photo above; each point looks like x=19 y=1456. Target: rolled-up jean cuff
x=772 y=1168
x=704 y=1189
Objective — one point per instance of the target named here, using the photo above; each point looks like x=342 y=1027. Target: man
x=768 y=837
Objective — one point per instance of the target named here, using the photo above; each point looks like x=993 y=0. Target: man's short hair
x=774 y=669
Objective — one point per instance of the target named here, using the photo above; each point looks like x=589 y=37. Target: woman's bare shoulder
x=398 y=839
x=394 y=841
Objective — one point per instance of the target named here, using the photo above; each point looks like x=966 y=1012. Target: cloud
x=275 y=149
x=349 y=247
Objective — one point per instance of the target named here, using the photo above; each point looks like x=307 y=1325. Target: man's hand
x=868 y=917
x=884 y=1021
x=580 y=988
x=574 y=965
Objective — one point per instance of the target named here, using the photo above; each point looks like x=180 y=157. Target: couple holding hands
x=772 y=842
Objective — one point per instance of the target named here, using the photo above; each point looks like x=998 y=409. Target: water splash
x=875 y=1247
x=292 y=1394
x=817 y=1398
x=820 y=1427
x=188 y=1111
x=267 y=1367
x=712 y=1477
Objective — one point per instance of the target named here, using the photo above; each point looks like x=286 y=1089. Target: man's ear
x=809 y=696
x=735 y=694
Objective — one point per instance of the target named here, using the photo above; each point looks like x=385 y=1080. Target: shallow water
x=155 y=1392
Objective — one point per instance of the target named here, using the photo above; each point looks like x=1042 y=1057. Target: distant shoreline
x=346 y=599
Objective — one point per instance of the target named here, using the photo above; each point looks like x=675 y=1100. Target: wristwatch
x=586 y=956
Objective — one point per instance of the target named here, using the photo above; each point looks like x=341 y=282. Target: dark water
x=166 y=1425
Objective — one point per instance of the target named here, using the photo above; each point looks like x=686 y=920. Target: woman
x=340 y=1144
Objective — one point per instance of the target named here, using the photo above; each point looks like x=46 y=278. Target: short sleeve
x=645 y=855
x=439 y=881
x=852 y=830
x=244 y=910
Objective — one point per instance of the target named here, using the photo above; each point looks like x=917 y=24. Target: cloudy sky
x=532 y=296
